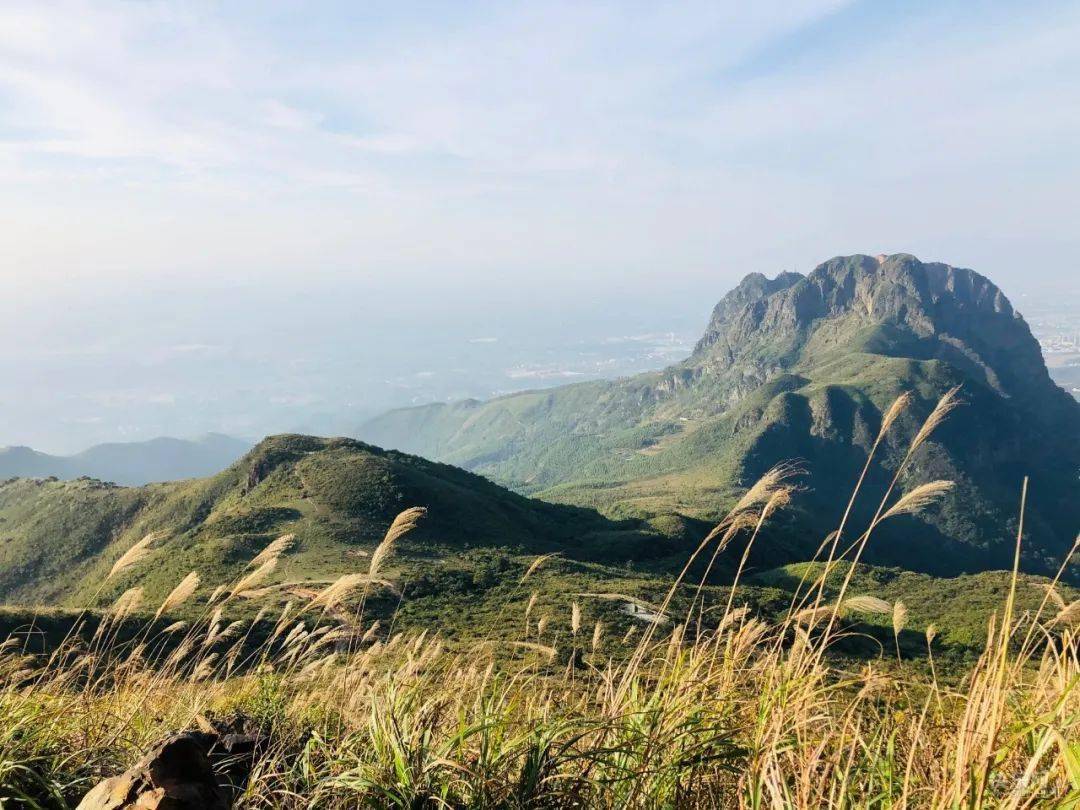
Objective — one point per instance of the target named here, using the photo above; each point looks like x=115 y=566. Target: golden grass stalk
x=765 y=487
x=550 y=652
x=899 y=617
x=212 y=628
x=678 y=632
x=947 y=402
x=899 y=622
x=127 y=603
x=732 y=617
x=575 y=618
x=336 y=591
x=1053 y=595
x=899 y=405
x=180 y=594
x=231 y=630
x=534 y=566
x=404 y=523
x=945 y=405
x=919 y=498
x=731 y=526
x=867 y=604
x=133 y=555
x=1069 y=614
x=298 y=629
x=371 y=631
x=282 y=621
x=273 y=550
x=778 y=500
x=205 y=668
x=813 y=614
x=250 y=580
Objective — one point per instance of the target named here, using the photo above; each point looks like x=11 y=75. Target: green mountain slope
x=129 y=463
x=803 y=367
x=460 y=570
x=958 y=607
x=58 y=539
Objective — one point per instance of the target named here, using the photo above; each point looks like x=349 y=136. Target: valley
x=801 y=368
x=621 y=479
x=857 y=495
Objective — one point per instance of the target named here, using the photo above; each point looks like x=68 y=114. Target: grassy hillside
x=804 y=368
x=562 y=699
x=337 y=496
x=477 y=671
x=957 y=607
x=460 y=570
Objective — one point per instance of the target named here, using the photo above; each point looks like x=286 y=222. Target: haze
x=254 y=217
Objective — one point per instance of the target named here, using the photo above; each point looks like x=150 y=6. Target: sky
x=244 y=168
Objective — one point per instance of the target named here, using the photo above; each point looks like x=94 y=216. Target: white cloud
x=140 y=139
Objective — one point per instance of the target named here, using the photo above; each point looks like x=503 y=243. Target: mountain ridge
x=337 y=496
x=129 y=463
x=799 y=366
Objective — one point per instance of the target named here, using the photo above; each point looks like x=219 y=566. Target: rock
x=233 y=755
x=179 y=773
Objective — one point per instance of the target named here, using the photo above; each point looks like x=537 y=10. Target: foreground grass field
x=703 y=703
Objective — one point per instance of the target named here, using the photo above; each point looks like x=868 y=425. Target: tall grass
x=714 y=708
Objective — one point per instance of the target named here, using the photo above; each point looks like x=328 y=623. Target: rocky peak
x=888 y=304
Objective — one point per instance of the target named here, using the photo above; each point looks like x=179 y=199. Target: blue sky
x=538 y=142
x=455 y=160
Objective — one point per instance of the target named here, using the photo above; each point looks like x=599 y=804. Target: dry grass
x=136 y=554
x=180 y=594
x=742 y=712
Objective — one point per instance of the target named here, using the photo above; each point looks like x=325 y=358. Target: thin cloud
x=603 y=138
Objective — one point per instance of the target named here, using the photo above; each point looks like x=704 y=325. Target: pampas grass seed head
x=900 y=404
x=404 y=523
x=919 y=498
x=133 y=555
x=868 y=604
x=272 y=551
x=899 y=617
x=180 y=594
x=255 y=577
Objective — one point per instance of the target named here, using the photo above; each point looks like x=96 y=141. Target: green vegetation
x=405 y=633
x=336 y=496
x=958 y=607
x=746 y=715
x=743 y=696
x=458 y=572
x=803 y=368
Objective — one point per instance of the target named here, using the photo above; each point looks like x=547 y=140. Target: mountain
x=804 y=367
x=1068 y=377
x=58 y=539
x=129 y=463
x=460 y=571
